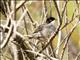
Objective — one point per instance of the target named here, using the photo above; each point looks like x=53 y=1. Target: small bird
x=45 y=30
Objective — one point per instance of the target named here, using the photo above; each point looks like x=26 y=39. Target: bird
x=45 y=30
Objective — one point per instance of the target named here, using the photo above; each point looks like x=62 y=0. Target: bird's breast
x=48 y=31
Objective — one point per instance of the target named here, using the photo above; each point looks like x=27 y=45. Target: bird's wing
x=39 y=28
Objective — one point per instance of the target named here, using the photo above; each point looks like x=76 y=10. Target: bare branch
x=77 y=56
x=68 y=36
x=25 y=22
x=5 y=42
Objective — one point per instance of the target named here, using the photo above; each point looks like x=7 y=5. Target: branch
x=25 y=22
x=16 y=51
x=5 y=42
x=68 y=36
x=77 y=56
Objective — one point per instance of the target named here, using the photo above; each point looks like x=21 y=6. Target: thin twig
x=68 y=36
x=72 y=19
x=44 y=10
x=18 y=6
x=13 y=8
x=22 y=16
x=77 y=56
x=25 y=22
x=30 y=17
x=59 y=34
x=64 y=9
x=50 y=7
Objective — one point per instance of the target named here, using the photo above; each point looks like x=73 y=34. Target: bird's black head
x=50 y=19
